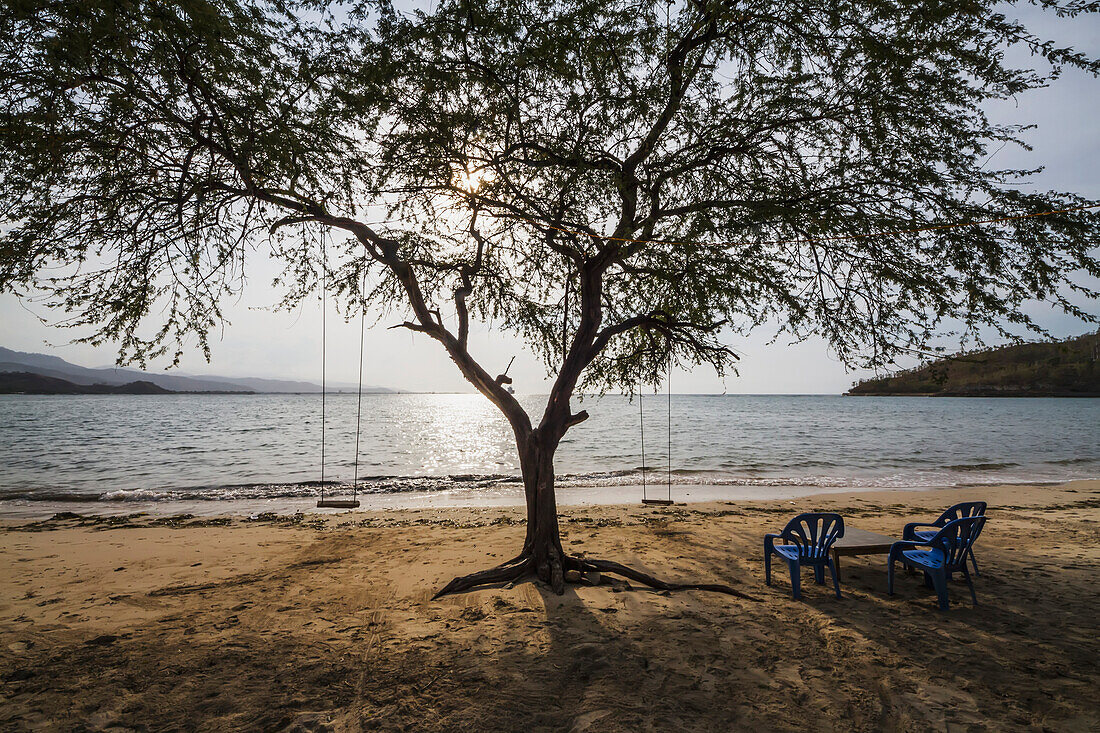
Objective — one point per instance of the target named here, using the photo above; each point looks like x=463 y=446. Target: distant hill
x=28 y=383
x=47 y=365
x=1068 y=368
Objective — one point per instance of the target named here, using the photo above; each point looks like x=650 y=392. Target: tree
x=620 y=183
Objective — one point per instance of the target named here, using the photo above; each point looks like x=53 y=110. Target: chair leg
x=796 y=571
x=970 y=584
x=819 y=574
x=974 y=562
x=928 y=580
x=767 y=566
x=939 y=580
x=890 y=577
x=836 y=578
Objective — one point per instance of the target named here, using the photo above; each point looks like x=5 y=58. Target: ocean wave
x=257 y=491
x=48 y=495
x=466 y=482
x=138 y=495
x=980 y=466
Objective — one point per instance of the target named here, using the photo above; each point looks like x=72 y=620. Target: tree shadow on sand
x=569 y=665
x=1023 y=656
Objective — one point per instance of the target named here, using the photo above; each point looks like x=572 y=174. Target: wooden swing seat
x=338 y=503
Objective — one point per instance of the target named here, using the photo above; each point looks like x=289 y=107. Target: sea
x=264 y=451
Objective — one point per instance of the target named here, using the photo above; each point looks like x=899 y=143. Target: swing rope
x=669 y=380
x=359 y=402
x=324 y=348
x=338 y=503
x=641 y=427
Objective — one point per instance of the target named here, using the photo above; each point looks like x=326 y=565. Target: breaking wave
x=981 y=466
x=478 y=482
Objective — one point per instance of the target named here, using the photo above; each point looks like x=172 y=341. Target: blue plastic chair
x=947 y=554
x=958 y=511
x=809 y=538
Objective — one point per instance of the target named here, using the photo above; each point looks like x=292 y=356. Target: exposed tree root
x=509 y=571
x=553 y=574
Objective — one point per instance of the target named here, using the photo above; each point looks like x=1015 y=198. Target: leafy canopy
x=612 y=180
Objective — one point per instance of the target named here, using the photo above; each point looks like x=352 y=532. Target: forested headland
x=1069 y=368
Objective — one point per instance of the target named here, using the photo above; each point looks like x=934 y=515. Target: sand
x=326 y=623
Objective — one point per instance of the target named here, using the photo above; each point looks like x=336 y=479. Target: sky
x=259 y=341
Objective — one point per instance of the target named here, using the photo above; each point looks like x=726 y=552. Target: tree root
x=520 y=566
x=509 y=571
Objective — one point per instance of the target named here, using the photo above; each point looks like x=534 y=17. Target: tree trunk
x=542 y=552
x=543 y=542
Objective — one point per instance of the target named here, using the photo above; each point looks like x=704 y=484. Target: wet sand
x=503 y=495
x=324 y=622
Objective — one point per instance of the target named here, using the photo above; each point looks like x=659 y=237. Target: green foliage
x=134 y=138
x=652 y=176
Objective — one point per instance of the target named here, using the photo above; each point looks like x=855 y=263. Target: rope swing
x=359 y=399
x=641 y=425
x=332 y=503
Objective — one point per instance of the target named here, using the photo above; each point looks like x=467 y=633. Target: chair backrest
x=961 y=510
x=955 y=540
x=814 y=533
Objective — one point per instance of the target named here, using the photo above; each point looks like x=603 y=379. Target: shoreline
x=992 y=393
x=327 y=622
x=498 y=496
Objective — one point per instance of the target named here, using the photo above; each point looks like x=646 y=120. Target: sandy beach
x=324 y=622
